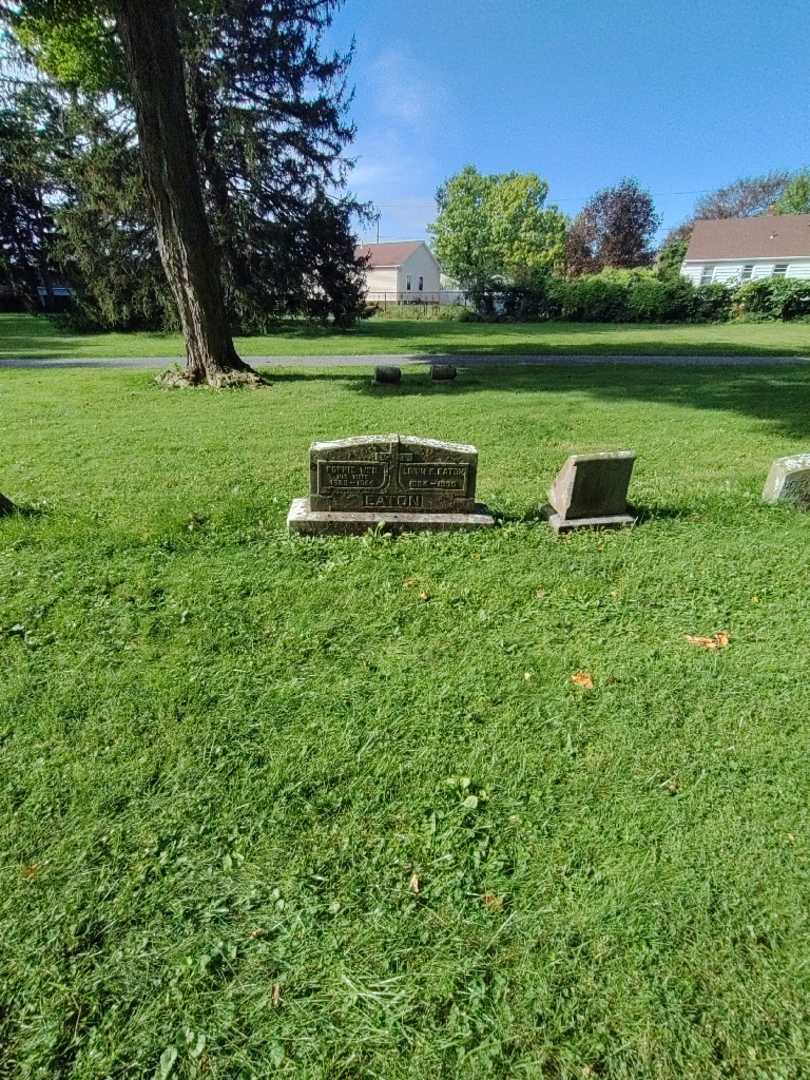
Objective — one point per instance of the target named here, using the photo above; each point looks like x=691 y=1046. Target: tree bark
x=148 y=31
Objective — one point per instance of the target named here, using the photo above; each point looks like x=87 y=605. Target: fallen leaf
x=492 y=902
x=754 y=599
x=583 y=679
x=414 y=884
x=528 y=676
x=258 y=932
x=424 y=596
x=716 y=641
x=276 y=996
x=30 y=871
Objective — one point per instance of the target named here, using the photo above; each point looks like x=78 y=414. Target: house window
x=780 y=269
x=706 y=274
x=747 y=271
x=407 y=283
x=421 y=284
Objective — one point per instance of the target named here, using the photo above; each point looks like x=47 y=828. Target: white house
x=733 y=250
x=404 y=272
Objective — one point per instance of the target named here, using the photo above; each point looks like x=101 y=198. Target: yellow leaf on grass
x=414 y=884
x=583 y=679
x=492 y=902
x=716 y=641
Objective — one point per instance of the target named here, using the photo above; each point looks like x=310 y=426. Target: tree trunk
x=148 y=31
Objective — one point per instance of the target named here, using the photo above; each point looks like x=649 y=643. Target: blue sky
x=685 y=96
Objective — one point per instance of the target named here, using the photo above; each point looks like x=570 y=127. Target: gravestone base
x=307 y=522
x=562 y=524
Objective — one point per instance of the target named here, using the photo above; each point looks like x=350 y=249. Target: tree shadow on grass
x=779 y=396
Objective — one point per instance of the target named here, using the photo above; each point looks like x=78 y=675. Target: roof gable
x=780 y=236
x=388 y=255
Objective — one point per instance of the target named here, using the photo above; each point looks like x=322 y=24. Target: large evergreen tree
x=26 y=223
x=268 y=114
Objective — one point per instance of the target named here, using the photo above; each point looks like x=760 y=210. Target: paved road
x=465 y=360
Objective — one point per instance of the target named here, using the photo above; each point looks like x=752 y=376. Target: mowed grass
x=335 y=808
x=24 y=336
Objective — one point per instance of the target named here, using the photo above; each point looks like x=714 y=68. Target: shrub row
x=644 y=296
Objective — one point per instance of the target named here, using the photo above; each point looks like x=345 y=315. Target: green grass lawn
x=26 y=336
x=230 y=759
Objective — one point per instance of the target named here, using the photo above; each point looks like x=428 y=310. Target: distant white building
x=405 y=272
x=734 y=250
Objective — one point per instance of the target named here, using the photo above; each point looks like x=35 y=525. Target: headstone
x=6 y=506
x=789 y=481
x=401 y=482
x=590 y=491
x=389 y=374
x=443 y=372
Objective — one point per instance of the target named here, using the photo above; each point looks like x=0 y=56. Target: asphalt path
x=460 y=359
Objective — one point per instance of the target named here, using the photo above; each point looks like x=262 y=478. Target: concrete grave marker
x=789 y=481
x=399 y=481
x=6 y=506
x=443 y=372
x=387 y=374
x=590 y=491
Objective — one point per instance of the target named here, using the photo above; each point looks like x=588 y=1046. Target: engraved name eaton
x=393 y=472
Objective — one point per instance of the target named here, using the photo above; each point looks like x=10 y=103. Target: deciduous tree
x=614 y=228
x=496 y=228
x=795 y=199
x=747 y=197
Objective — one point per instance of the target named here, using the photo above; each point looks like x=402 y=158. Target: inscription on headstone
x=402 y=481
x=590 y=491
x=789 y=481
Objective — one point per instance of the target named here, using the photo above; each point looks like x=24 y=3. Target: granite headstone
x=789 y=481
x=6 y=506
x=401 y=482
x=387 y=374
x=443 y=372
x=590 y=491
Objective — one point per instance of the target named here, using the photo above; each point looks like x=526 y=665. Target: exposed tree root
x=246 y=377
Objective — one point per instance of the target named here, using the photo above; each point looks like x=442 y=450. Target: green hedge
x=644 y=296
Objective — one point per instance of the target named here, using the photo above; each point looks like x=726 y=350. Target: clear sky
x=684 y=95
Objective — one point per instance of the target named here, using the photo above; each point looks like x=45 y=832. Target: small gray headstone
x=6 y=506
x=400 y=481
x=388 y=374
x=443 y=372
x=590 y=491
x=789 y=481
